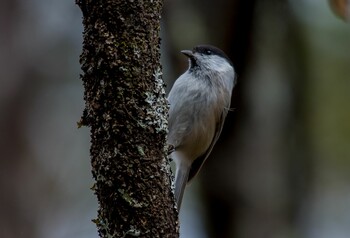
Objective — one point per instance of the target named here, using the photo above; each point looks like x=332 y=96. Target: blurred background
x=281 y=167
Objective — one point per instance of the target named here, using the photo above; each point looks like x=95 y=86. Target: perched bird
x=199 y=101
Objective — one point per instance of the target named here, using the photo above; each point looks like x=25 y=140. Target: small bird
x=199 y=101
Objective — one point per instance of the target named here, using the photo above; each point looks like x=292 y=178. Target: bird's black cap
x=211 y=50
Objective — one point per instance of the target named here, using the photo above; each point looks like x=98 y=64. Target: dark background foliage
x=281 y=166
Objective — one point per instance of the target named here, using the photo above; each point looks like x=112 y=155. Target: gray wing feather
x=198 y=163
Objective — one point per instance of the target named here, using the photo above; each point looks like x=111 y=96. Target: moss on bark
x=126 y=109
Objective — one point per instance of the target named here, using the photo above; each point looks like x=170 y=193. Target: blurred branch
x=341 y=8
x=126 y=110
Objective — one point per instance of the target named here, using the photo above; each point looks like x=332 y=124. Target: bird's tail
x=181 y=177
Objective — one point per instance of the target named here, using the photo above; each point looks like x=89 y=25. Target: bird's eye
x=208 y=52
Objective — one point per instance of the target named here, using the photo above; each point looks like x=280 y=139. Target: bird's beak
x=188 y=53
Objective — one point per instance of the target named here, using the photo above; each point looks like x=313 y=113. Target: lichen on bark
x=126 y=110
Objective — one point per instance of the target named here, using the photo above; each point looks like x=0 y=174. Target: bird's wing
x=198 y=163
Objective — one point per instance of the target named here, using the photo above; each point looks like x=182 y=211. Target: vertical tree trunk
x=126 y=110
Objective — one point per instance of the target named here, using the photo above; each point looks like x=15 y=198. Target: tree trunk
x=126 y=110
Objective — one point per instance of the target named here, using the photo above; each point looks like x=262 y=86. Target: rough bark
x=126 y=110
